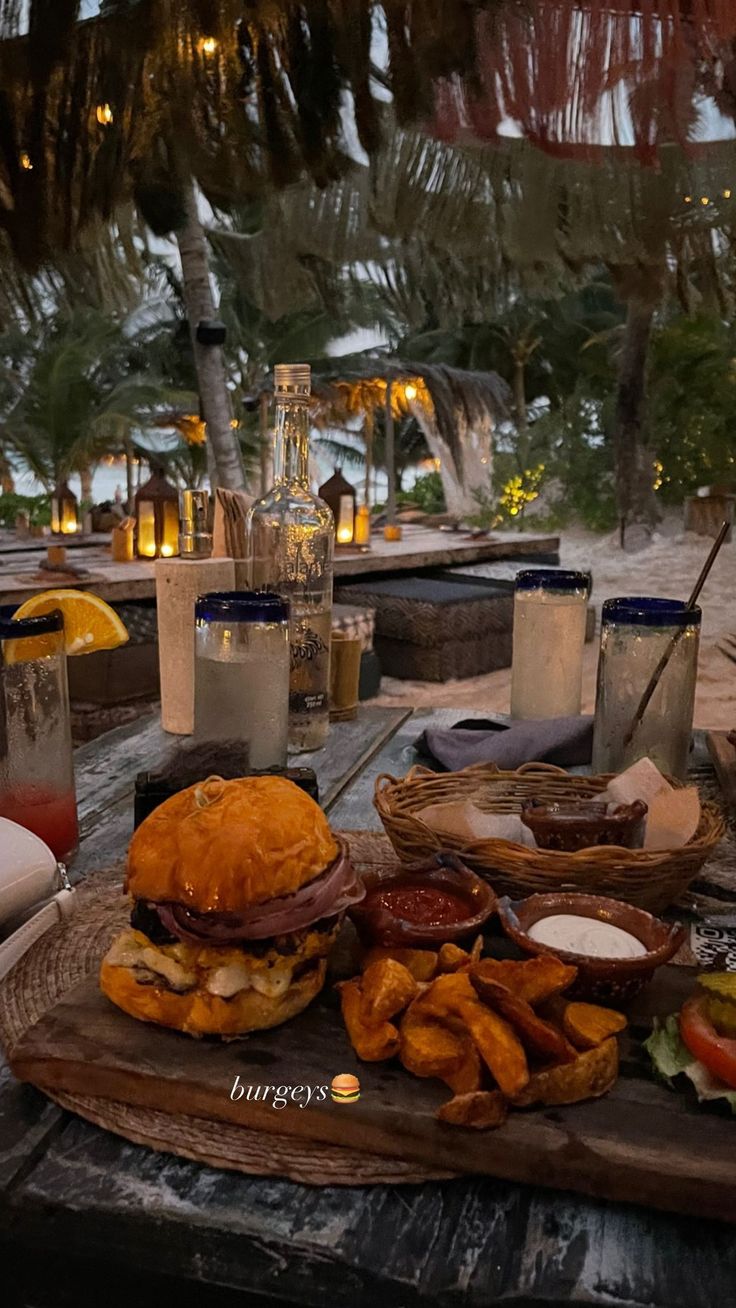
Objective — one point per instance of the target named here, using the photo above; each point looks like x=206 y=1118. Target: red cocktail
x=36 y=768
x=49 y=814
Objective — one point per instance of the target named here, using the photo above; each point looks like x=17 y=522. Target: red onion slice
x=336 y=889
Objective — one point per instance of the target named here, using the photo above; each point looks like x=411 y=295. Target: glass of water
x=636 y=634
x=241 y=673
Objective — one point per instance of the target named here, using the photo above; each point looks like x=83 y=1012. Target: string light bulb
x=208 y=45
x=704 y=200
x=688 y=199
x=104 y=114
x=727 y=194
x=26 y=162
x=410 y=392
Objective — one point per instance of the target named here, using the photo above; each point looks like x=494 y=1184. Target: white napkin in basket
x=464 y=820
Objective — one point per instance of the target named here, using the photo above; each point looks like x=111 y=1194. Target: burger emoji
x=238 y=890
x=345 y=1088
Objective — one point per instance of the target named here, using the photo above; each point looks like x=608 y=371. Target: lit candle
x=345 y=521
x=146 y=530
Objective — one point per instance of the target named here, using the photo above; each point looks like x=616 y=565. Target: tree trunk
x=85 y=480
x=7 y=481
x=390 y=459
x=208 y=359
x=264 y=444
x=368 y=434
x=129 y=485
x=634 y=469
x=522 y=421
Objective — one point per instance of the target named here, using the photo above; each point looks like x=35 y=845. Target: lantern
x=64 y=510
x=157 y=514
x=340 y=495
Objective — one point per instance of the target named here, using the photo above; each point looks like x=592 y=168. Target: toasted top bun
x=223 y=846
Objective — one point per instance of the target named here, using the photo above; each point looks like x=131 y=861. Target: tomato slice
x=717 y=1053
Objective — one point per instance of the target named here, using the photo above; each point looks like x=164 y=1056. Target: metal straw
x=667 y=655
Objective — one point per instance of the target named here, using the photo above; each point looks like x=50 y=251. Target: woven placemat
x=68 y=953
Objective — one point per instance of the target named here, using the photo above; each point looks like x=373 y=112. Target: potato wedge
x=443 y=996
x=532 y=979
x=498 y=1045
x=477 y=949
x=371 y=1042
x=538 y=1037
x=481 y=1110
x=469 y=1075
x=422 y=963
x=387 y=987
x=588 y=1025
x=591 y=1075
x=427 y=1048
x=452 y=957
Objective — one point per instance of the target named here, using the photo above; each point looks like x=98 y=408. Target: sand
x=668 y=567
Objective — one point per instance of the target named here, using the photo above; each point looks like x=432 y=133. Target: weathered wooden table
x=420 y=547
x=86 y=1216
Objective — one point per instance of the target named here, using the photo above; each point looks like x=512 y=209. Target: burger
x=238 y=891
x=345 y=1088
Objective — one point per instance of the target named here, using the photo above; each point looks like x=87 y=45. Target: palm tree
x=410 y=447
x=70 y=394
x=209 y=359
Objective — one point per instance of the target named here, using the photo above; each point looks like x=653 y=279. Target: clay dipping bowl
x=572 y=826
x=608 y=980
x=376 y=924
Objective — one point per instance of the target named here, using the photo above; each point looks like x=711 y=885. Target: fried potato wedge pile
x=499 y=1033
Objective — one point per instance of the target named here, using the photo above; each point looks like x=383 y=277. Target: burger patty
x=144 y=918
x=145 y=977
x=222 y=970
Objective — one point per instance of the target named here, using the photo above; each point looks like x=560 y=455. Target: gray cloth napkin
x=566 y=742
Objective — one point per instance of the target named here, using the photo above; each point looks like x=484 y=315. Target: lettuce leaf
x=672 y=1058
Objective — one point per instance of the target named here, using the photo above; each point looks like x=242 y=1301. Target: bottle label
x=309 y=668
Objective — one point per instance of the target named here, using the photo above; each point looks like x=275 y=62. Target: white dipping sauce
x=586 y=936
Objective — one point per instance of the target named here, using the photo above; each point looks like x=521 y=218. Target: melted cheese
x=132 y=949
x=223 y=971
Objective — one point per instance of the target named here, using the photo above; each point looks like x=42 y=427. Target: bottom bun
x=199 y=1013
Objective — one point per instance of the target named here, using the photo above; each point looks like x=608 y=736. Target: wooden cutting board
x=641 y=1142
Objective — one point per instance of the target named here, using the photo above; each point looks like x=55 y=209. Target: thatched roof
x=454 y=399
x=151 y=92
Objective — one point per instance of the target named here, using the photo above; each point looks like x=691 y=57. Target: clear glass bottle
x=550 y=610
x=291 y=539
x=636 y=634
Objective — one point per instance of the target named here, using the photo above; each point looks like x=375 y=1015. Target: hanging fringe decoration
x=316 y=83
x=247 y=94
x=574 y=76
x=354 y=36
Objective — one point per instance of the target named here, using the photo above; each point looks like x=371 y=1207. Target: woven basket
x=648 y=878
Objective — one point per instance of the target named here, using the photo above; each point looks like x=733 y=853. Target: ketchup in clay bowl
x=423 y=904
